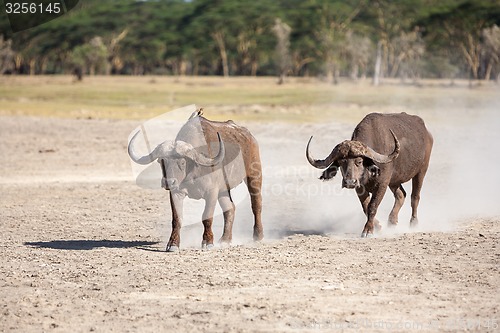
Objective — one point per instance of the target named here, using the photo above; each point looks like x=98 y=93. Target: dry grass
x=120 y=97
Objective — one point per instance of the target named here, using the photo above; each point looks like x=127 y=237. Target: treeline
x=407 y=39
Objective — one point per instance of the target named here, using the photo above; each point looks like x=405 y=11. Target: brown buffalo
x=386 y=150
x=188 y=170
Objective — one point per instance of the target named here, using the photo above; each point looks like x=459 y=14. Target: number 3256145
x=32 y=8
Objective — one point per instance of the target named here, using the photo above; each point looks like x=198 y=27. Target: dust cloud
x=463 y=179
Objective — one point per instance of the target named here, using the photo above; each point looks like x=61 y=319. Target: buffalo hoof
x=172 y=248
x=224 y=244
x=366 y=235
x=413 y=222
x=207 y=246
x=225 y=240
x=392 y=222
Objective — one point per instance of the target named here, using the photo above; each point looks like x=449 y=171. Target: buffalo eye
x=358 y=162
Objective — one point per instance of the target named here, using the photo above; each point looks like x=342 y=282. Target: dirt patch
x=82 y=245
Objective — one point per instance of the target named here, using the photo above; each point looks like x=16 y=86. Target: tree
x=219 y=38
x=408 y=50
x=491 y=50
x=358 y=52
x=461 y=26
x=282 y=32
x=112 y=50
x=396 y=35
x=232 y=37
x=6 y=56
x=334 y=22
x=89 y=58
x=255 y=38
x=220 y=21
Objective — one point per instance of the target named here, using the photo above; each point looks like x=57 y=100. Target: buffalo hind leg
x=228 y=208
x=364 y=198
x=399 y=199
x=254 y=184
x=208 y=217
x=417 y=182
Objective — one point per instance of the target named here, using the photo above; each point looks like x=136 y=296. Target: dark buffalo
x=386 y=150
x=188 y=170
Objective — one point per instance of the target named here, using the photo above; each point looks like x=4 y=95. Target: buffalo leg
x=176 y=201
x=417 y=182
x=208 y=216
x=254 y=185
x=375 y=200
x=364 y=198
x=228 y=208
x=399 y=199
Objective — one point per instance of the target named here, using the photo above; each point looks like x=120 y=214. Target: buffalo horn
x=322 y=164
x=203 y=160
x=379 y=158
x=140 y=159
x=162 y=150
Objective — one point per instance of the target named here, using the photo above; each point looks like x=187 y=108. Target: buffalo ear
x=371 y=167
x=374 y=170
x=330 y=172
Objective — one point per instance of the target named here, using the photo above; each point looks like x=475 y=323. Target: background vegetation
x=239 y=98
x=406 y=39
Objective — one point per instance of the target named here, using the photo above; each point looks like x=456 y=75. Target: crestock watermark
x=457 y=324
x=148 y=143
x=277 y=180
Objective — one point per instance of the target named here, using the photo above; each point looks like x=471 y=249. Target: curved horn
x=370 y=153
x=143 y=160
x=322 y=164
x=162 y=150
x=203 y=160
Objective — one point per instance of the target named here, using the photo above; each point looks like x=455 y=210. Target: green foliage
x=90 y=57
x=234 y=37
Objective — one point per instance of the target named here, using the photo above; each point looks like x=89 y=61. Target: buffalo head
x=356 y=161
x=177 y=160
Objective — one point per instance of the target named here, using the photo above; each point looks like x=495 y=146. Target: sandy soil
x=82 y=244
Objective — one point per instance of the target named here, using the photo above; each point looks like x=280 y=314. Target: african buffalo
x=386 y=150
x=188 y=170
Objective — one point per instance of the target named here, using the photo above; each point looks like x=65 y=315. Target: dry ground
x=82 y=245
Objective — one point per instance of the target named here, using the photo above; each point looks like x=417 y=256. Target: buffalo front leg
x=371 y=211
x=399 y=199
x=176 y=201
x=208 y=217
x=228 y=207
x=364 y=198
